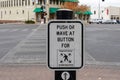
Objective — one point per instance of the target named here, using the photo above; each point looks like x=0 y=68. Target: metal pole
x=99 y=10
x=65 y=14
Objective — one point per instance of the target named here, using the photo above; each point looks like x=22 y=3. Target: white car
x=97 y=21
x=109 y=22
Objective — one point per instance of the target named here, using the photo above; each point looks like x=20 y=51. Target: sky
x=106 y=3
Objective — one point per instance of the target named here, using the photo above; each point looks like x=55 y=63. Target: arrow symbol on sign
x=65 y=75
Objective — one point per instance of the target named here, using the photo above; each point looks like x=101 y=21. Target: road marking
x=10 y=41
x=25 y=29
x=13 y=30
x=33 y=29
x=3 y=30
x=89 y=56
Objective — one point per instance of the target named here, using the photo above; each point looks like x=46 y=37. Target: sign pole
x=65 y=75
x=65 y=45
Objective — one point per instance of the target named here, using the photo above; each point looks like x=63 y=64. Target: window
x=11 y=3
x=17 y=12
x=14 y=2
x=0 y=4
x=114 y=17
x=19 y=2
x=3 y=3
x=54 y=1
x=57 y=1
x=23 y=12
x=10 y=12
x=6 y=3
x=38 y=1
x=102 y=11
x=117 y=18
x=94 y=12
x=50 y=1
x=22 y=2
x=28 y=2
x=44 y=1
x=5 y=12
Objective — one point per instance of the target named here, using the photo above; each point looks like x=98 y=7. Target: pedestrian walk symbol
x=65 y=58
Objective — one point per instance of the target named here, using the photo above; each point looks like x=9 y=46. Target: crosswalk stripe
x=13 y=30
x=3 y=30
x=25 y=29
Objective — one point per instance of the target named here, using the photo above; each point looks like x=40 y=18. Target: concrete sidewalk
x=37 y=72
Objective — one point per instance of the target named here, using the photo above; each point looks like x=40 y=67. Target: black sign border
x=82 y=43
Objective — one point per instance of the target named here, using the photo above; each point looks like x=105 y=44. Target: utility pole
x=99 y=9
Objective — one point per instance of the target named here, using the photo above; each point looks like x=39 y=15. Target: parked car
x=118 y=21
x=97 y=21
x=109 y=22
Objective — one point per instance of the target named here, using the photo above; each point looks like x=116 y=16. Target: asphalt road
x=23 y=44
x=102 y=43
x=12 y=34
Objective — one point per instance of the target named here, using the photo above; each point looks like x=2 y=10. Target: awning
x=37 y=10
x=88 y=13
x=79 y=12
x=69 y=1
x=53 y=10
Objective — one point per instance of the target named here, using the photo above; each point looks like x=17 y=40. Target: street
x=102 y=43
x=12 y=34
x=27 y=44
x=23 y=52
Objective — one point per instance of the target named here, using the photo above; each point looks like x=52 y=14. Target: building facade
x=16 y=10
x=22 y=10
x=107 y=13
x=37 y=10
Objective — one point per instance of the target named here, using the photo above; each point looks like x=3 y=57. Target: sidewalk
x=37 y=72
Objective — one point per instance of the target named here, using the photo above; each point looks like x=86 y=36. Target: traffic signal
x=103 y=0
x=42 y=15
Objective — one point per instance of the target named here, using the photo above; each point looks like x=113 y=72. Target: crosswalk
x=15 y=30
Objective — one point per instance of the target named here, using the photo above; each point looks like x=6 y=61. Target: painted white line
x=13 y=30
x=89 y=56
x=25 y=29
x=3 y=30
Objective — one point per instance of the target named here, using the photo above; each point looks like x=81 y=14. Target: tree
x=70 y=5
x=74 y=6
x=82 y=8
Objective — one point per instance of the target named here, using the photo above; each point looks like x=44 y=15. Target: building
x=37 y=10
x=50 y=8
x=21 y=10
x=107 y=13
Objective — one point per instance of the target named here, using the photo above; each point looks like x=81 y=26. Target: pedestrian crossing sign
x=65 y=44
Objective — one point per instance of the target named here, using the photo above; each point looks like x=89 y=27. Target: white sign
x=65 y=44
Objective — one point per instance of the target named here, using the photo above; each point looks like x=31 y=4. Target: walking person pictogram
x=65 y=57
